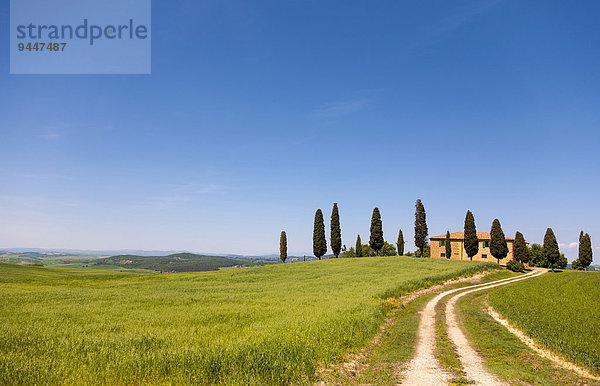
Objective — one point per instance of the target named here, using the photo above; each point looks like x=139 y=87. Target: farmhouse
x=438 y=247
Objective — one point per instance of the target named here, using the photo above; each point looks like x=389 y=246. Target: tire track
x=424 y=368
x=471 y=361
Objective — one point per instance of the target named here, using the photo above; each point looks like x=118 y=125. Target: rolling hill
x=178 y=262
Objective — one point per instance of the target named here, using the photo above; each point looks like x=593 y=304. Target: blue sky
x=259 y=112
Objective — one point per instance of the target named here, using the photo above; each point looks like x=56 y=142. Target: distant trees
x=376 y=239
x=575 y=265
x=551 y=252
x=358 y=249
x=520 y=250
x=336 y=232
x=585 y=251
x=319 y=242
x=400 y=243
x=471 y=241
x=421 y=231
x=498 y=246
x=283 y=246
x=448 y=246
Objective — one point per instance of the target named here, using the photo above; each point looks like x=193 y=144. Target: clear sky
x=259 y=112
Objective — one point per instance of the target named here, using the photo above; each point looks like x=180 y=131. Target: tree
x=585 y=250
x=319 y=242
x=520 y=250
x=400 y=243
x=358 y=249
x=283 y=246
x=367 y=250
x=471 y=241
x=336 y=232
x=498 y=246
x=536 y=256
x=376 y=239
x=349 y=253
x=562 y=262
x=448 y=246
x=421 y=231
x=388 y=249
x=576 y=265
x=551 y=252
x=426 y=252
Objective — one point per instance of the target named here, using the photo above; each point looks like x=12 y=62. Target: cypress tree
x=551 y=252
x=448 y=246
x=376 y=239
x=319 y=242
x=336 y=231
x=471 y=242
x=421 y=231
x=498 y=246
x=585 y=250
x=520 y=249
x=400 y=243
x=359 y=251
x=283 y=246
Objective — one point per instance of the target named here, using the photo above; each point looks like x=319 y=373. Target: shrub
x=515 y=266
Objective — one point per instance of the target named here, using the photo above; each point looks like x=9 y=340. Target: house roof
x=461 y=236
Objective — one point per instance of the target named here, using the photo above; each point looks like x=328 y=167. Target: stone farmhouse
x=438 y=247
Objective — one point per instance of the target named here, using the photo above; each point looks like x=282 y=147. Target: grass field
x=272 y=324
x=558 y=310
x=504 y=354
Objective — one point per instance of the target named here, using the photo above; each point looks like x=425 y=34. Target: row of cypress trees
x=376 y=240
x=498 y=245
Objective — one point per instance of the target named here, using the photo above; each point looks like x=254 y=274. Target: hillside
x=178 y=262
x=266 y=325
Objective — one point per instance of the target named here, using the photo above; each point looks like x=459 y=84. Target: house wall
x=459 y=253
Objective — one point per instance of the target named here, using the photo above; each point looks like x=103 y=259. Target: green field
x=272 y=324
x=558 y=310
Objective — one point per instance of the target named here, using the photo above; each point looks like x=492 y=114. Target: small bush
x=515 y=266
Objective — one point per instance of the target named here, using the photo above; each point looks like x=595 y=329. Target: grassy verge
x=561 y=311
x=273 y=324
x=397 y=345
x=505 y=355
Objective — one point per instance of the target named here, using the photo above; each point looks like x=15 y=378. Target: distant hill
x=178 y=262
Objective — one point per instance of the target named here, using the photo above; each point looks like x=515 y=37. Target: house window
x=442 y=243
x=485 y=244
x=442 y=254
x=484 y=256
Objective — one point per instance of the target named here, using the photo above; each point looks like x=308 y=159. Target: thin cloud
x=455 y=21
x=569 y=245
x=343 y=108
x=181 y=193
x=193 y=189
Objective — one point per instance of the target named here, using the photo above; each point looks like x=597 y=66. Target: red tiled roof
x=461 y=236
